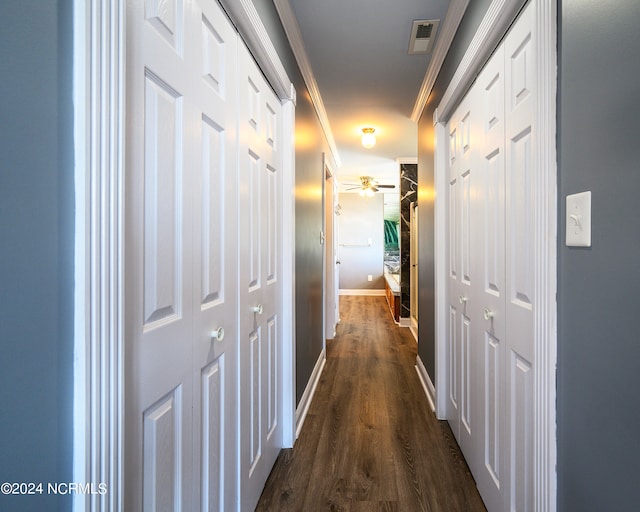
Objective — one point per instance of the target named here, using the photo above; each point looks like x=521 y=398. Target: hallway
x=370 y=441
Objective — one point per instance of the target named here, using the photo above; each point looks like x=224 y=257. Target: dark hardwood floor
x=370 y=441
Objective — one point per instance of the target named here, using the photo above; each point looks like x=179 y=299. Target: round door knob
x=218 y=334
x=463 y=299
x=488 y=314
x=257 y=309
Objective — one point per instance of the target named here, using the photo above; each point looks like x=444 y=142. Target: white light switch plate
x=579 y=220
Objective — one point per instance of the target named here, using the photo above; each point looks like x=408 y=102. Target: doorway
x=413 y=289
x=331 y=262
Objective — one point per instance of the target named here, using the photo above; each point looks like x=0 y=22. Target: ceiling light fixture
x=368 y=138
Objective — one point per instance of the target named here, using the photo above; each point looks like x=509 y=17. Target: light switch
x=579 y=220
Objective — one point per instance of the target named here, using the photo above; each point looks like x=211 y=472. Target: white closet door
x=457 y=301
x=215 y=263
x=491 y=274
x=260 y=306
x=520 y=107
x=492 y=318
x=179 y=420
x=464 y=355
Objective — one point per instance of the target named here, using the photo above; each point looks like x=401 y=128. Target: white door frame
x=499 y=17
x=330 y=293
x=99 y=147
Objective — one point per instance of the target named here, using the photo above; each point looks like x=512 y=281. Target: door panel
x=492 y=247
x=260 y=296
x=181 y=96
x=520 y=58
x=213 y=44
x=162 y=453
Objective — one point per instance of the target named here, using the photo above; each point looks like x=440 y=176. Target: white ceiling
x=358 y=53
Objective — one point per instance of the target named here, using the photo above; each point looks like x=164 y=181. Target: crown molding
x=250 y=26
x=448 y=29
x=292 y=29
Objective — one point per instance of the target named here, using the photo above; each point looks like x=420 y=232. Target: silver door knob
x=488 y=314
x=463 y=299
x=257 y=309
x=218 y=334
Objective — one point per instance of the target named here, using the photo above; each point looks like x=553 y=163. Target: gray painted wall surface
x=426 y=295
x=310 y=145
x=599 y=339
x=36 y=249
x=361 y=218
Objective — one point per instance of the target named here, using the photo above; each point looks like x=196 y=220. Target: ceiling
x=358 y=53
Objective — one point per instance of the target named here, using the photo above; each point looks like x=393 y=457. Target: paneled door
x=465 y=366
x=521 y=99
x=491 y=272
x=260 y=285
x=491 y=250
x=181 y=331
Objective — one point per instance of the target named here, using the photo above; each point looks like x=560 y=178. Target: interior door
x=260 y=288
x=520 y=294
x=179 y=418
x=491 y=336
x=215 y=265
x=467 y=282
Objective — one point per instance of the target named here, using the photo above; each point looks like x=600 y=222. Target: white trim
x=292 y=29
x=250 y=26
x=441 y=229
x=495 y=24
x=99 y=174
x=405 y=321
x=414 y=329
x=545 y=330
x=288 y=381
x=309 y=392
x=426 y=382
x=362 y=292
x=448 y=30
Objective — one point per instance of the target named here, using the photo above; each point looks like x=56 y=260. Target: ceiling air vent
x=423 y=33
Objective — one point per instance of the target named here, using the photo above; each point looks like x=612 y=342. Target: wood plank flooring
x=370 y=441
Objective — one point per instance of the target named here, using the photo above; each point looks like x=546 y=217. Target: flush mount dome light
x=368 y=137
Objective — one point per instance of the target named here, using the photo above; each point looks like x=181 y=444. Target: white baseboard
x=414 y=331
x=307 y=396
x=368 y=292
x=404 y=322
x=427 y=385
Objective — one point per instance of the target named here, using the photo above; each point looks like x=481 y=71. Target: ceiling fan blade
x=353 y=188
x=374 y=188
x=386 y=186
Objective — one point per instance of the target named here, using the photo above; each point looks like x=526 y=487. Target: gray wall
x=310 y=145
x=361 y=218
x=426 y=295
x=599 y=339
x=36 y=249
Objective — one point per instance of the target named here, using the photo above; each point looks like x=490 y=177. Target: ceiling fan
x=368 y=186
